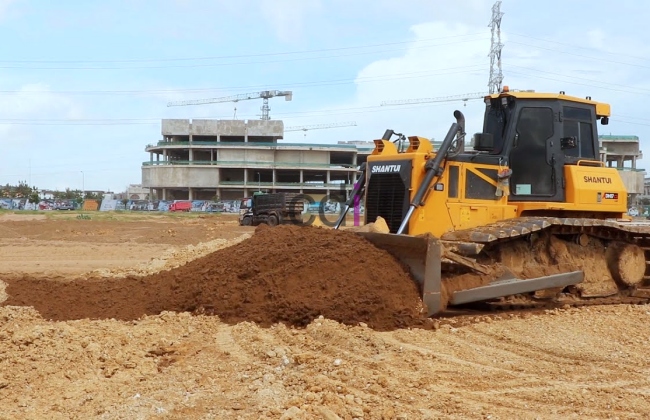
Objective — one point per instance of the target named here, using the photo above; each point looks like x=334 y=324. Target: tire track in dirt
x=511 y=344
x=470 y=346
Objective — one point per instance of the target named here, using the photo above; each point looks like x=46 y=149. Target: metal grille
x=385 y=195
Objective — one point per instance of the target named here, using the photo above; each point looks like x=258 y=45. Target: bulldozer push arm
x=433 y=169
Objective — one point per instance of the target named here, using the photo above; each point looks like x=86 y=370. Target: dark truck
x=272 y=209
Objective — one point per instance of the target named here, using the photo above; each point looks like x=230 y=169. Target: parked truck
x=272 y=209
x=180 y=205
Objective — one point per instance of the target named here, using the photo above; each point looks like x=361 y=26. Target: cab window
x=576 y=123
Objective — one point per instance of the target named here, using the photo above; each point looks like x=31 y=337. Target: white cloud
x=30 y=103
x=34 y=101
x=443 y=59
x=287 y=17
x=460 y=65
x=4 y=7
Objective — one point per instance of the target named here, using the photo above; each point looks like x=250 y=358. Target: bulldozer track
x=471 y=242
x=522 y=226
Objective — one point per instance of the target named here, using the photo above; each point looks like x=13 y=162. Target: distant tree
x=68 y=194
x=22 y=190
x=93 y=196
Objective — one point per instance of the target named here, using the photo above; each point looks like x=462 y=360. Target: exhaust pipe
x=458 y=146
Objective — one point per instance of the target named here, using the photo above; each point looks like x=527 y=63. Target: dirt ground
x=60 y=359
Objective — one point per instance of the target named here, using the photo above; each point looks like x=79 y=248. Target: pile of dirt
x=287 y=274
x=172 y=258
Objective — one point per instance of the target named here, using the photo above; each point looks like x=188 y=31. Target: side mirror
x=604 y=120
x=568 y=142
x=483 y=142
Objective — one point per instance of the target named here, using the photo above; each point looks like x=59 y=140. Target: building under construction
x=202 y=159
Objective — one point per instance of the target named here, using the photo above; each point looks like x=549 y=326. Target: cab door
x=535 y=158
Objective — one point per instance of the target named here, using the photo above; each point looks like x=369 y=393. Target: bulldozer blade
x=515 y=286
x=423 y=256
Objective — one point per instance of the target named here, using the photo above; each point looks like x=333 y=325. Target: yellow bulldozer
x=526 y=215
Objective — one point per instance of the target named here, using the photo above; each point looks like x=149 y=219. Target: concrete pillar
x=219 y=193
x=157 y=157
x=245 y=176
x=190 y=194
x=150 y=157
x=274 y=177
x=634 y=162
x=327 y=177
x=164 y=194
x=211 y=156
x=191 y=156
x=301 y=178
x=164 y=155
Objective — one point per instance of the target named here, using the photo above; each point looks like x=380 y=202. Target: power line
x=367 y=79
x=582 y=47
x=633 y=89
x=134 y=121
x=290 y=115
x=354 y=54
x=574 y=83
x=601 y=60
x=221 y=57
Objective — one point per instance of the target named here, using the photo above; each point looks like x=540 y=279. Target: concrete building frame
x=229 y=159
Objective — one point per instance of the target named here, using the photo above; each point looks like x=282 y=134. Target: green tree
x=22 y=190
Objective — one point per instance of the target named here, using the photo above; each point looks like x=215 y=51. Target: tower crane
x=320 y=126
x=265 y=95
x=465 y=97
x=306 y=128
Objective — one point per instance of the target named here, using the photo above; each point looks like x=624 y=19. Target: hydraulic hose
x=357 y=189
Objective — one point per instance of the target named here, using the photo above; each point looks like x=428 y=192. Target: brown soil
x=64 y=245
x=558 y=364
x=285 y=274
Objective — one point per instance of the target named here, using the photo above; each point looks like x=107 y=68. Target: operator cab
x=246 y=203
x=535 y=135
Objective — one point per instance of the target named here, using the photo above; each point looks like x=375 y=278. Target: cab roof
x=602 y=109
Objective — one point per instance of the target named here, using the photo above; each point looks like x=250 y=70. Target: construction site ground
x=90 y=328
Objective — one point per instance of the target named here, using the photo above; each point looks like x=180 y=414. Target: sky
x=84 y=85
